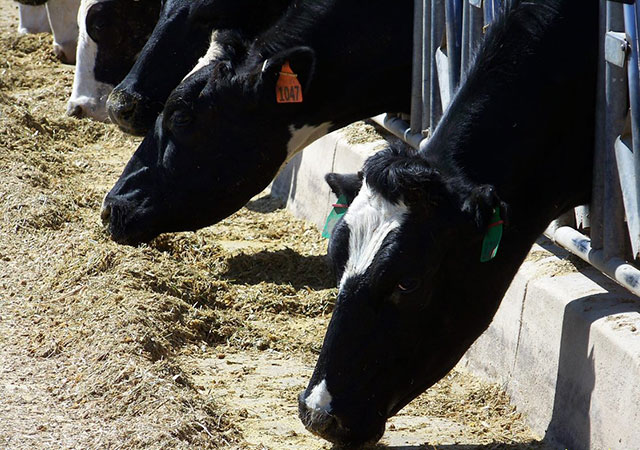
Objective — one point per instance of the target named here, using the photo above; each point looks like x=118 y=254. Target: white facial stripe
x=305 y=135
x=370 y=219
x=320 y=398
x=213 y=52
x=87 y=92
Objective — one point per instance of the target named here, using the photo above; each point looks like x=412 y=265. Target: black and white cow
x=223 y=136
x=61 y=16
x=515 y=145
x=185 y=30
x=112 y=33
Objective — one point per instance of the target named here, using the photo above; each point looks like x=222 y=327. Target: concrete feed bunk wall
x=565 y=343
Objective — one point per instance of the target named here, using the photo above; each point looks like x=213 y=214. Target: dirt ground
x=197 y=340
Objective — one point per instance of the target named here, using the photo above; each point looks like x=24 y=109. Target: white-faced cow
x=112 y=33
x=185 y=30
x=515 y=145
x=61 y=16
x=223 y=135
x=33 y=19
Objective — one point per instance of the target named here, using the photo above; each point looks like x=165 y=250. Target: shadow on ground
x=281 y=267
x=266 y=204
x=531 y=445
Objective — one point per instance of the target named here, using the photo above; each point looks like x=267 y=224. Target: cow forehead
x=214 y=52
x=370 y=219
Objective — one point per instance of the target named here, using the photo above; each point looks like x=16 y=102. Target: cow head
x=198 y=165
x=400 y=322
x=112 y=33
x=185 y=30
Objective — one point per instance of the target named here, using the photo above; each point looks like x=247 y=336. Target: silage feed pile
x=197 y=340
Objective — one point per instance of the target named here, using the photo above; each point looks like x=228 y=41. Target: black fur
x=402 y=176
x=120 y=28
x=32 y=2
x=398 y=177
x=344 y=184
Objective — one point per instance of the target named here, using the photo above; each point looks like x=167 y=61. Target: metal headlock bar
x=605 y=233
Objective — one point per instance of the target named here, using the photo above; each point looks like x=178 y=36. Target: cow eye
x=96 y=25
x=181 y=119
x=408 y=285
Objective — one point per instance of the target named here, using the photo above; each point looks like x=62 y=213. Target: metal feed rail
x=446 y=32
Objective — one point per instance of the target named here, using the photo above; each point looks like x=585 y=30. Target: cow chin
x=129 y=237
x=125 y=225
x=132 y=219
x=330 y=427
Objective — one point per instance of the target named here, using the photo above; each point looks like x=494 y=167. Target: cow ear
x=482 y=204
x=302 y=61
x=345 y=184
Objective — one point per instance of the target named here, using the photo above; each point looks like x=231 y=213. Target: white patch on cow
x=89 y=96
x=305 y=135
x=370 y=219
x=320 y=398
x=213 y=52
x=33 y=19
x=63 y=21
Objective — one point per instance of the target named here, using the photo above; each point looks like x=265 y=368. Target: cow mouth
x=115 y=219
x=331 y=428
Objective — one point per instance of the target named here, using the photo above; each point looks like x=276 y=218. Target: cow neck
x=350 y=82
x=509 y=124
x=528 y=132
x=270 y=11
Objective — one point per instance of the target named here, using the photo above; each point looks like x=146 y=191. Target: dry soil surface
x=197 y=340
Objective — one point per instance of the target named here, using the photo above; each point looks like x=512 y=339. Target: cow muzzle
x=130 y=111
x=329 y=426
x=125 y=221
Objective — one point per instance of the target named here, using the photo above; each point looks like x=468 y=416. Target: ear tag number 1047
x=288 y=88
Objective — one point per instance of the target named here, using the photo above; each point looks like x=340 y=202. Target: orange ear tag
x=288 y=88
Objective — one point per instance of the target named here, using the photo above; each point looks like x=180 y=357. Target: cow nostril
x=75 y=110
x=121 y=102
x=127 y=105
x=105 y=215
x=317 y=421
x=61 y=55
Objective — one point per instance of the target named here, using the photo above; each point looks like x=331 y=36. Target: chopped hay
x=361 y=133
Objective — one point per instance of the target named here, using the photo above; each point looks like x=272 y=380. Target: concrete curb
x=565 y=344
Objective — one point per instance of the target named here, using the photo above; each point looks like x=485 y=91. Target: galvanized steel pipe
x=616 y=268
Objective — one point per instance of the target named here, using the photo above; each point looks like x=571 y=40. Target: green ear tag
x=338 y=211
x=492 y=238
